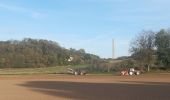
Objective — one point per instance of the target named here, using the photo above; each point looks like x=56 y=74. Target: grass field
x=45 y=70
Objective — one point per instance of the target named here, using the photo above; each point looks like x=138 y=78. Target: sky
x=87 y=24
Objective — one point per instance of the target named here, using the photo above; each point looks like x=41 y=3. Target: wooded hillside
x=39 y=53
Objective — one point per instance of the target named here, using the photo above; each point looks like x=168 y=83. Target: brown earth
x=64 y=87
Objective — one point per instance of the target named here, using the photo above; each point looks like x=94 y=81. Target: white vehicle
x=132 y=71
x=76 y=71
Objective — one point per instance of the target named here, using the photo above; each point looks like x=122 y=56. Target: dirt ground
x=65 y=87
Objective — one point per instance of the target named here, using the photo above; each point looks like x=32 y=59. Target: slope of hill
x=40 y=53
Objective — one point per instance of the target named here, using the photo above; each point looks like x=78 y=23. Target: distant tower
x=113 y=49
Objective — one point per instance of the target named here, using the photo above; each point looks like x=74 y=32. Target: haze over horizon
x=87 y=24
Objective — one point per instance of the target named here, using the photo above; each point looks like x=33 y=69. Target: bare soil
x=65 y=87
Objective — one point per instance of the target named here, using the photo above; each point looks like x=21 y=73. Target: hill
x=40 y=53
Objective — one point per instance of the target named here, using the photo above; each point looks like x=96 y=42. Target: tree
x=162 y=43
x=142 y=48
x=39 y=53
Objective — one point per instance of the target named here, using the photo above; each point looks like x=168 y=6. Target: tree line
x=40 y=53
x=152 y=49
x=148 y=50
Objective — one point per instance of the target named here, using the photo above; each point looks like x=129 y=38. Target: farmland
x=90 y=87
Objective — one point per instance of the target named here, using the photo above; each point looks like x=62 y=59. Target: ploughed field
x=90 y=87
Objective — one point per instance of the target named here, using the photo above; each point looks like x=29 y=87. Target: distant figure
x=124 y=72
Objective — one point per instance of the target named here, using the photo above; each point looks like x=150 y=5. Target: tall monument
x=113 y=49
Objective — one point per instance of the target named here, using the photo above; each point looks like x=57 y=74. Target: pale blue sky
x=88 y=24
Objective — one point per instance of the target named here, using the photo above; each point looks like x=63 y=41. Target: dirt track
x=52 y=87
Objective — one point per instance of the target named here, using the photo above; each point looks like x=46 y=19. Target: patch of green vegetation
x=45 y=70
x=158 y=70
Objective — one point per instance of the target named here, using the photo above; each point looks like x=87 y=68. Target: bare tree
x=142 y=48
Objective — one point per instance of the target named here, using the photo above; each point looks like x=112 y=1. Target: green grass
x=30 y=71
x=104 y=73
